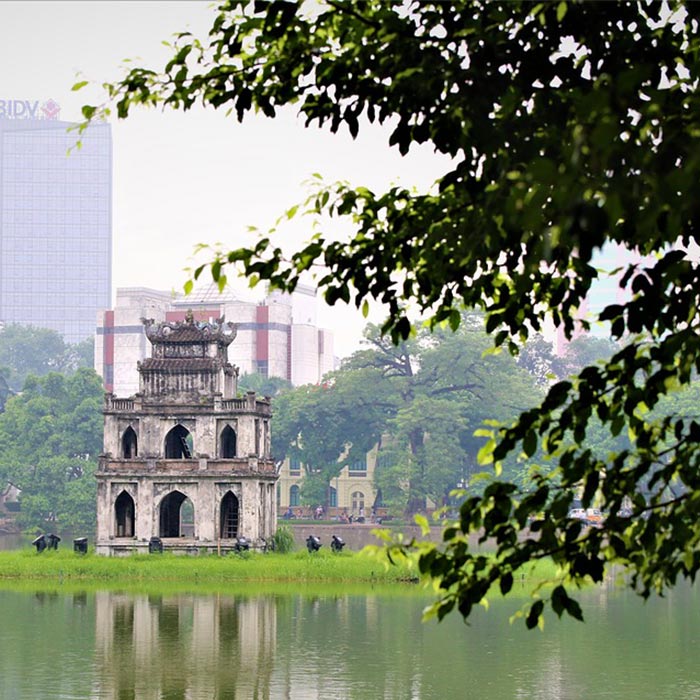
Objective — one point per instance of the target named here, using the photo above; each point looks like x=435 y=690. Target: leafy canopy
x=26 y=350
x=51 y=435
x=438 y=389
x=418 y=403
x=327 y=426
x=569 y=125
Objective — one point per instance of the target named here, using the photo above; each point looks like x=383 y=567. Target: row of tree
x=423 y=403
x=420 y=402
x=50 y=426
x=26 y=350
x=51 y=435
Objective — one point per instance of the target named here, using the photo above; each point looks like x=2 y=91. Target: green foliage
x=284 y=539
x=421 y=401
x=584 y=351
x=51 y=435
x=445 y=386
x=26 y=350
x=537 y=356
x=325 y=426
x=263 y=386
x=80 y=354
x=567 y=126
x=314 y=486
x=5 y=391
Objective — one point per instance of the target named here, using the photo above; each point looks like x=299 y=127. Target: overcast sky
x=185 y=178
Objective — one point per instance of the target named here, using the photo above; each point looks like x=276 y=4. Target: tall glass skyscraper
x=55 y=221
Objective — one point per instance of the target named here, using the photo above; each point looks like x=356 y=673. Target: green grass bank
x=245 y=574
x=297 y=567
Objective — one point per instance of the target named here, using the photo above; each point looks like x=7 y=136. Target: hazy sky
x=185 y=178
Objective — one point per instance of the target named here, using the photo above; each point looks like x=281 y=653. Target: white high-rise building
x=275 y=338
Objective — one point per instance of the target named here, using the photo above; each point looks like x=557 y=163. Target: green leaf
x=423 y=523
x=559 y=600
x=535 y=613
x=485 y=454
x=530 y=443
x=574 y=609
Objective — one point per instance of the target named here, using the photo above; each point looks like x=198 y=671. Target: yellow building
x=352 y=491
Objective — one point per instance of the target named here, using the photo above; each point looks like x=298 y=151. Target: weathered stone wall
x=252 y=432
x=256 y=498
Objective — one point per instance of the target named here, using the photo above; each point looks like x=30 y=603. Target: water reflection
x=114 y=646
x=42 y=598
x=184 y=646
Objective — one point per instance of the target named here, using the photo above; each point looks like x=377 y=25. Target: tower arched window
x=228 y=443
x=178 y=443
x=294 y=495
x=229 y=516
x=130 y=448
x=171 y=514
x=124 y=514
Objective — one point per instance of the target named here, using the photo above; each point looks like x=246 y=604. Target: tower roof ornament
x=190 y=331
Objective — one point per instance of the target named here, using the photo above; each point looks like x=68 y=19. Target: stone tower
x=185 y=460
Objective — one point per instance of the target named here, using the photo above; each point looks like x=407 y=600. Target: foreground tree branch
x=570 y=126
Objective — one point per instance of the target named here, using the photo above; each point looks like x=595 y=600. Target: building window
x=294 y=467
x=358 y=468
x=358 y=502
x=178 y=443
x=333 y=498
x=174 y=513
x=129 y=444
x=294 y=495
x=229 y=516
x=124 y=513
x=228 y=443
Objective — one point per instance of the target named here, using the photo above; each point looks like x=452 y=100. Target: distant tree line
x=50 y=426
x=428 y=404
x=28 y=350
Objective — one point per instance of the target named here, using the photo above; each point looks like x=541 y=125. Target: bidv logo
x=29 y=109
x=50 y=109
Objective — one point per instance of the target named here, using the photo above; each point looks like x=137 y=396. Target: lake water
x=340 y=646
